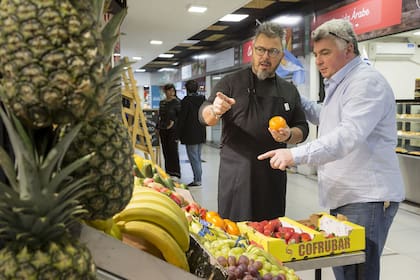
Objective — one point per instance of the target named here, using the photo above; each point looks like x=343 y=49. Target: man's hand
x=222 y=103
x=279 y=159
x=281 y=135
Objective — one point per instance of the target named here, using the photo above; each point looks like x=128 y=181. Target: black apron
x=249 y=189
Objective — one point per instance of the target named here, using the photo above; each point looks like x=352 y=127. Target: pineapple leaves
x=63 y=174
x=23 y=151
x=110 y=32
x=98 y=9
x=57 y=153
x=7 y=165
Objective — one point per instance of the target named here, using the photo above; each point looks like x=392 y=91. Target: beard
x=263 y=74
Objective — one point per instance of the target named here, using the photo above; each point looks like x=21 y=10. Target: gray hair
x=270 y=29
x=340 y=29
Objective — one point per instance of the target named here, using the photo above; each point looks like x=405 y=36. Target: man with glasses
x=249 y=189
x=358 y=172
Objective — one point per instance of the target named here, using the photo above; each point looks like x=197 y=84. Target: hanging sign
x=247 y=52
x=366 y=15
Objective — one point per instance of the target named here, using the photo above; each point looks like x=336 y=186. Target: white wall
x=400 y=72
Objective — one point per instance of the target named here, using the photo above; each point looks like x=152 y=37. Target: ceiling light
x=287 y=20
x=190 y=42
x=137 y=58
x=140 y=70
x=166 y=55
x=201 y=56
x=416 y=33
x=117 y=54
x=234 y=17
x=196 y=9
x=167 y=69
x=156 y=42
x=175 y=63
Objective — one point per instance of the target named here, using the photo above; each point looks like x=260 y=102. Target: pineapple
x=38 y=208
x=52 y=58
x=111 y=166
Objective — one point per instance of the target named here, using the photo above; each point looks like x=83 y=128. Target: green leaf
x=98 y=10
x=57 y=153
x=8 y=168
x=65 y=172
x=23 y=155
x=110 y=32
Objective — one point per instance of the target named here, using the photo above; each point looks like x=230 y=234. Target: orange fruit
x=277 y=122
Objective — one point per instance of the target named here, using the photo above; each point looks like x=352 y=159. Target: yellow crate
x=348 y=237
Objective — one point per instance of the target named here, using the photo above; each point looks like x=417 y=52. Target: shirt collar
x=339 y=76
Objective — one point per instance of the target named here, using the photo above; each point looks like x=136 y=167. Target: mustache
x=265 y=62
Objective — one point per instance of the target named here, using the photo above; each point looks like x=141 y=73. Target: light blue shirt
x=355 y=148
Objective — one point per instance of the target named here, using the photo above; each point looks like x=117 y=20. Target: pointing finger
x=228 y=100
x=266 y=155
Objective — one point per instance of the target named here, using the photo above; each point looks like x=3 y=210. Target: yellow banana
x=115 y=232
x=144 y=194
x=161 y=239
x=158 y=214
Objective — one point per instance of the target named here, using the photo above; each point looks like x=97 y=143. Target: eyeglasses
x=260 y=51
x=339 y=37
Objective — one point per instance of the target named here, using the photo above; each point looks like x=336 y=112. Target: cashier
x=358 y=171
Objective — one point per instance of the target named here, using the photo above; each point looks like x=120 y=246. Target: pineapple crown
x=40 y=202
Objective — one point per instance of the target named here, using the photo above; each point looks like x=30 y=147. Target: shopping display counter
x=116 y=260
x=330 y=261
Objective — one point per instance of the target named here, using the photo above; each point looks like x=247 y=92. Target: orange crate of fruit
x=336 y=237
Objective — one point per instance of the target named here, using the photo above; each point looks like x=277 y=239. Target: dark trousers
x=169 y=141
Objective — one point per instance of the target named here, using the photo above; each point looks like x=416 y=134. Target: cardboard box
x=348 y=237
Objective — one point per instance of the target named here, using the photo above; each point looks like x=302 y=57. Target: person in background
x=249 y=189
x=191 y=132
x=169 y=109
x=358 y=171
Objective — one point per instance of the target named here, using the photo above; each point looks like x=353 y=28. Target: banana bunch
x=156 y=218
x=107 y=226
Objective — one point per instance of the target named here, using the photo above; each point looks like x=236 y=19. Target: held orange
x=277 y=122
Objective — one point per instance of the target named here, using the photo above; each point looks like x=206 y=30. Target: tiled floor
x=401 y=258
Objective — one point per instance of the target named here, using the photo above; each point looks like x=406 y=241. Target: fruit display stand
x=357 y=258
x=116 y=260
x=348 y=237
x=202 y=263
x=344 y=247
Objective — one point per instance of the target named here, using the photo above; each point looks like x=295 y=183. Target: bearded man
x=249 y=189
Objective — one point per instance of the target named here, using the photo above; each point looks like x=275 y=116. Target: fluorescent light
x=137 y=58
x=166 y=55
x=287 y=20
x=140 y=70
x=167 y=69
x=201 y=56
x=191 y=42
x=196 y=9
x=234 y=17
x=156 y=42
x=416 y=33
x=175 y=63
x=117 y=54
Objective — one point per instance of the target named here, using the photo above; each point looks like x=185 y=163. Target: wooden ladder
x=133 y=116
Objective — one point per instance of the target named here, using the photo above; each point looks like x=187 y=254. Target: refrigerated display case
x=408 y=148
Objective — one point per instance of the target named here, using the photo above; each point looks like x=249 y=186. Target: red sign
x=366 y=15
x=247 y=52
